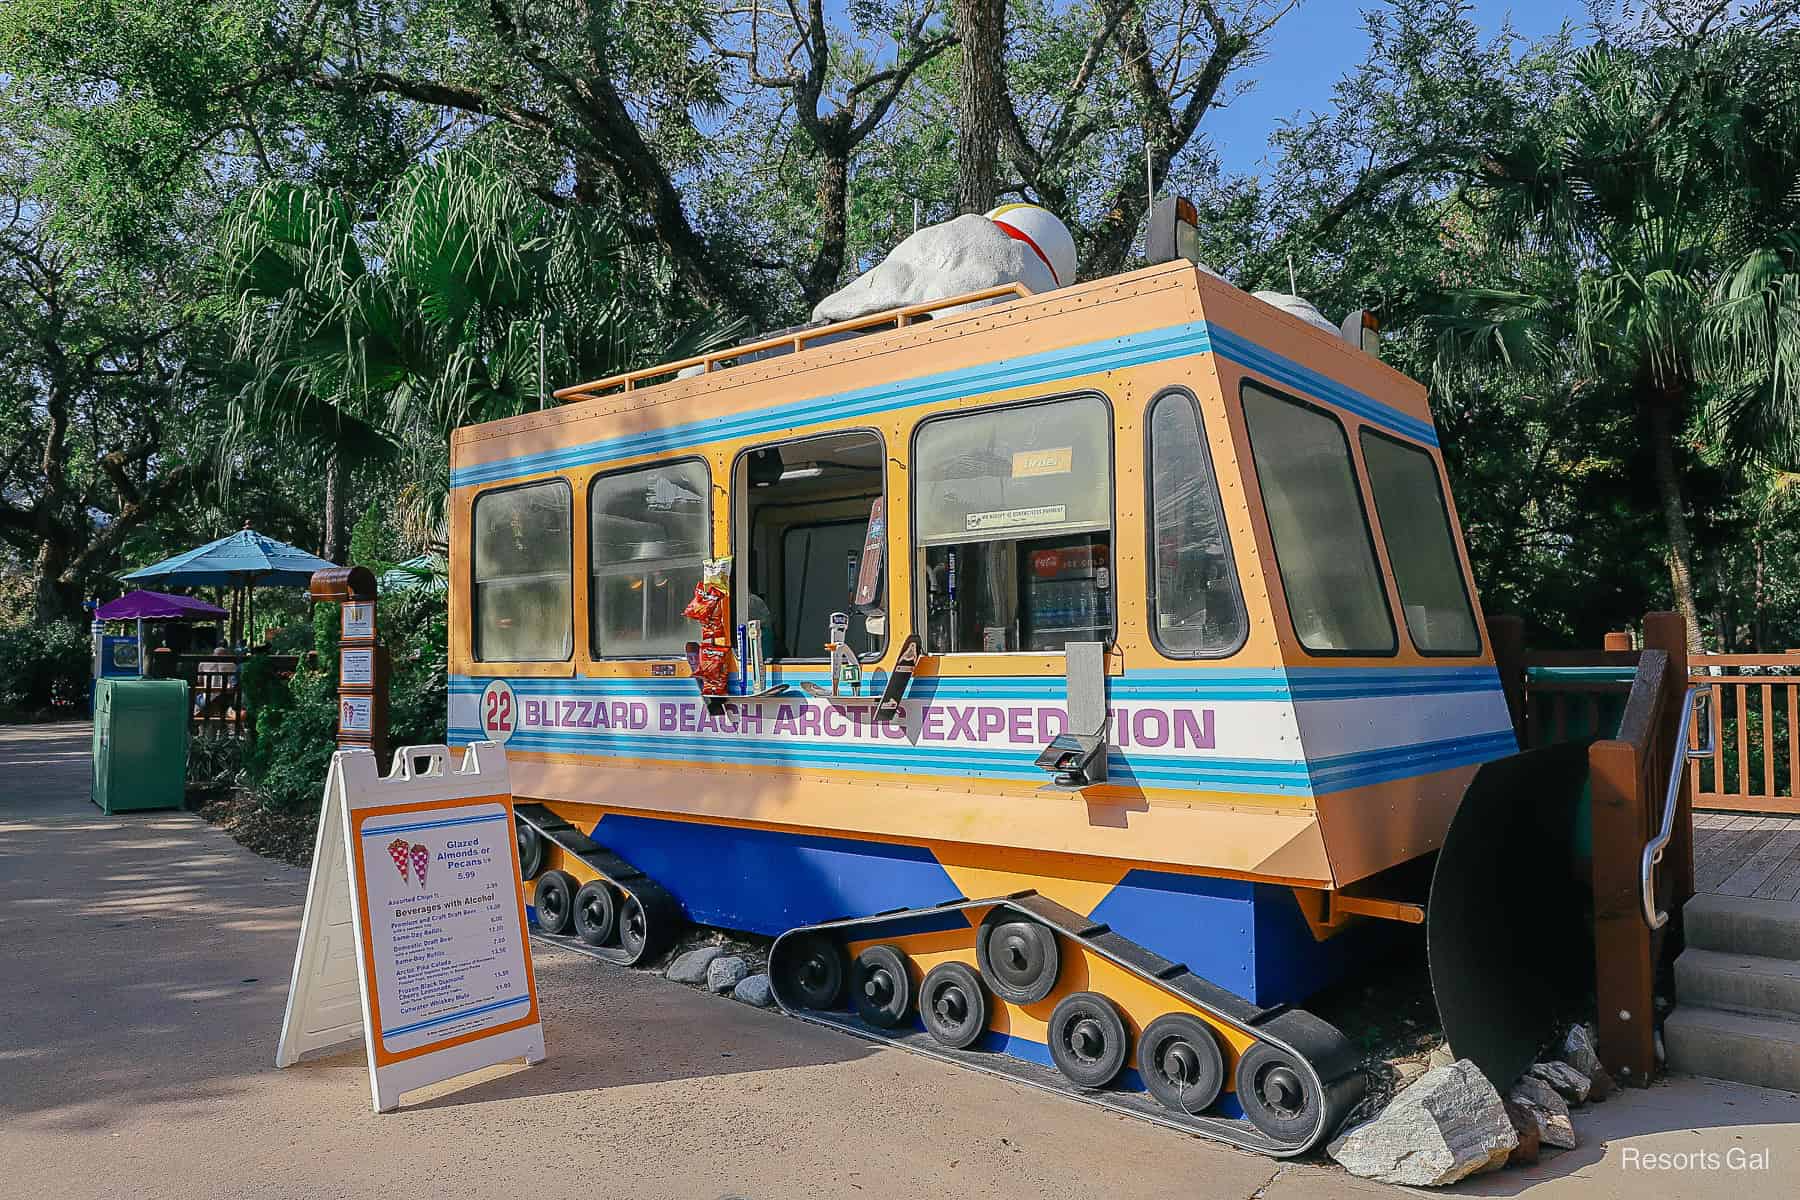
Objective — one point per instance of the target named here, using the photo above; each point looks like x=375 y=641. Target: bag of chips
x=711 y=603
x=715 y=670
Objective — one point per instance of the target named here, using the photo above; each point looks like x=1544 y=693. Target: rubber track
x=663 y=915
x=1318 y=1046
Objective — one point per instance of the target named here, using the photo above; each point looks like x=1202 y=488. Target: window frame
x=1360 y=481
x=913 y=548
x=588 y=562
x=475 y=655
x=1237 y=584
x=1456 y=547
x=740 y=615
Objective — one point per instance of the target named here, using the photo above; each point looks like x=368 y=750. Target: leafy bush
x=296 y=719
x=215 y=760
x=45 y=665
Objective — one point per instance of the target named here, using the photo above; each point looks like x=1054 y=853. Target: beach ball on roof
x=1046 y=236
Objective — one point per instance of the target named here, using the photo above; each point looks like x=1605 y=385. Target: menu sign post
x=362 y=661
x=416 y=882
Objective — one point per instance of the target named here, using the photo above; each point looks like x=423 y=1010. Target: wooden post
x=1623 y=972
x=1506 y=635
x=1667 y=632
x=362 y=660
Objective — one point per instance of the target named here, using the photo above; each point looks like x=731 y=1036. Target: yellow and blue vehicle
x=1151 y=512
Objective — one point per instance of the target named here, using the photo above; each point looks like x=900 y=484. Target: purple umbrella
x=154 y=606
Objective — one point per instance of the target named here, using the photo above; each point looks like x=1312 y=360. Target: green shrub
x=44 y=666
x=215 y=760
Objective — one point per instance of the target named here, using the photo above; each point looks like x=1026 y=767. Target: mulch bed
x=286 y=836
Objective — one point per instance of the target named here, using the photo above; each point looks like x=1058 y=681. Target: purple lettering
x=1197 y=733
x=989 y=720
x=687 y=718
x=962 y=721
x=932 y=723
x=640 y=716
x=1051 y=721
x=533 y=713
x=706 y=723
x=750 y=719
x=809 y=721
x=667 y=716
x=784 y=720
x=830 y=716
x=1018 y=725
x=1151 y=727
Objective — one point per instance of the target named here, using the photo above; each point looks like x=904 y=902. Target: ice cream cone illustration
x=397 y=850
x=421 y=858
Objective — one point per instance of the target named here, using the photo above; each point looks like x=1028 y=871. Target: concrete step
x=1748 y=983
x=1760 y=1050
x=1735 y=925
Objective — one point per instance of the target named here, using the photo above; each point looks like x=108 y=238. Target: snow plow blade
x=1509 y=927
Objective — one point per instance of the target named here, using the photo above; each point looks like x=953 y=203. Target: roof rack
x=790 y=343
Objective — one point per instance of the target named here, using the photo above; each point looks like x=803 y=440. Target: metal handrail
x=1653 y=850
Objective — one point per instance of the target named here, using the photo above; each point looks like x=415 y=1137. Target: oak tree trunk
x=981 y=24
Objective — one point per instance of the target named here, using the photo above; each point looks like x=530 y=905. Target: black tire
x=1088 y=1041
x=1179 y=1058
x=531 y=849
x=634 y=927
x=1019 y=958
x=1277 y=1095
x=954 y=1005
x=596 y=913
x=881 y=986
x=814 y=973
x=554 y=900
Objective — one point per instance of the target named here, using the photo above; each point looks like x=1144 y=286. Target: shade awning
x=157 y=606
x=244 y=557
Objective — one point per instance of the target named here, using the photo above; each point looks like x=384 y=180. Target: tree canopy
x=257 y=257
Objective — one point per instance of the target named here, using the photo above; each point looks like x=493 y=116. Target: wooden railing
x=1754 y=713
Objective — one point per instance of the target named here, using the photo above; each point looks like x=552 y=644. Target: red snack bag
x=715 y=669
x=705 y=605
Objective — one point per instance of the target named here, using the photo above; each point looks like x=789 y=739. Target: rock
x=1578 y=1051
x=963 y=255
x=1551 y=1111
x=1525 y=1124
x=754 y=989
x=1408 y=1070
x=1600 y=1085
x=1447 y=1126
x=691 y=967
x=724 y=974
x=1569 y=1083
x=1440 y=1057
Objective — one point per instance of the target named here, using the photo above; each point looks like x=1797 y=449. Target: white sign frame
x=334 y=965
x=356 y=666
x=358 y=621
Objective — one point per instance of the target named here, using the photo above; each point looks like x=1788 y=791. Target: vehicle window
x=1194 y=603
x=1013 y=524
x=1316 y=519
x=647 y=536
x=1415 y=524
x=523 y=582
x=812 y=529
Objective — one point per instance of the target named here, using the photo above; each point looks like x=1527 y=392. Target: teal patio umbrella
x=239 y=561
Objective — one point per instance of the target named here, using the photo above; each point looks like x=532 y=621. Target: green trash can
x=140 y=744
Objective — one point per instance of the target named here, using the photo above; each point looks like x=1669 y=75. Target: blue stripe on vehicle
x=1191 y=338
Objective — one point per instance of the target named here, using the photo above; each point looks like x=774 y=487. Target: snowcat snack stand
x=1192 y=680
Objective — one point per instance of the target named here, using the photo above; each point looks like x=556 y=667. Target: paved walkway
x=143 y=967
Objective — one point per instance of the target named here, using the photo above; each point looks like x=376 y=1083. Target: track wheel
x=1019 y=957
x=1179 y=1058
x=954 y=1005
x=555 y=901
x=634 y=928
x=815 y=973
x=881 y=986
x=1277 y=1093
x=596 y=913
x=531 y=849
x=1087 y=1039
